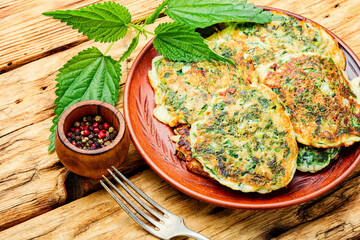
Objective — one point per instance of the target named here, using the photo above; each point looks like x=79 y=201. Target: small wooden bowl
x=92 y=163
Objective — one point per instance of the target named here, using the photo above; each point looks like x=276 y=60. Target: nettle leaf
x=103 y=22
x=88 y=76
x=203 y=13
x=178 y=42
x=130 y=49
x=156 y=13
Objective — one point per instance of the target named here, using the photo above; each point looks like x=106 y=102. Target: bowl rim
x=205 y=198
x=66 y=113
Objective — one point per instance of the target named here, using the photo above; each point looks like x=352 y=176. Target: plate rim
x=222 y=203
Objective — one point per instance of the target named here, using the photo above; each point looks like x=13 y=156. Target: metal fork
x=168 y=225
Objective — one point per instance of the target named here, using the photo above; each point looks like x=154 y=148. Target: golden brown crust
x=183 y=150
x=245 y=140
x=322 y=107
x=182 y=95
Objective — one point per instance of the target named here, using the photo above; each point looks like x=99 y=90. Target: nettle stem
x=140 y=29
x=107 y=50
x=150 y=32
x=140 y=20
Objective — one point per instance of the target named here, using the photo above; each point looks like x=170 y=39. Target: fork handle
x=190 y=233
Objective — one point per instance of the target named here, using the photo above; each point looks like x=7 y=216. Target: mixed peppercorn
x=91 y=133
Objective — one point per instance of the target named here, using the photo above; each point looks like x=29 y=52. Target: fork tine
x=144 y=215
x=128 y=211
x=141 y=193
x=157 y=215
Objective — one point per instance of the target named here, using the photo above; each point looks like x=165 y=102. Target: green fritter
x=245 y=140
x=183 y=90
x=242 y=133
x=269 y=42
x=322 y=106
x=311 y=159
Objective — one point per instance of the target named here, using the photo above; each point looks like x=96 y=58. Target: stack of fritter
x=239 y=124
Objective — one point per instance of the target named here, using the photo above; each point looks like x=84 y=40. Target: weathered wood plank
x=26 y=109
x=26 y=35
x=28 y=102
x=98 y=216
x=29 y=94
x=32 y=181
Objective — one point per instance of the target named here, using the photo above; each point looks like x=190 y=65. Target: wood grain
x=28 y=102
x=332 y=216
x=31 y=180
x=34 y=83
x=26 y=35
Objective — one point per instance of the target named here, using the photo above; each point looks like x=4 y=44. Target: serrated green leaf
x=178 y=42
x=151 y=19
x=278 y=18
x=88 y=76
x=51 y=146
x=203 y=13
x=52 y=128
x=103 y=22
x=52 y=138
x=130 y=49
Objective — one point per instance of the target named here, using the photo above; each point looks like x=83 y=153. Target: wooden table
x=39 y=198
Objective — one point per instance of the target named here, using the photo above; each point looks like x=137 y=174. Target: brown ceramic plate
x=153 y=141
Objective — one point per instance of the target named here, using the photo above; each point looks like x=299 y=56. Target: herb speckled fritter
x=183 y=90
x=269 y=42
x=245 y=140
x=300 y=62
x=309 y=159
x=322 y=106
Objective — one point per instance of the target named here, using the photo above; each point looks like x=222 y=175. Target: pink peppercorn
x=101 y=135
x=90 y=135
